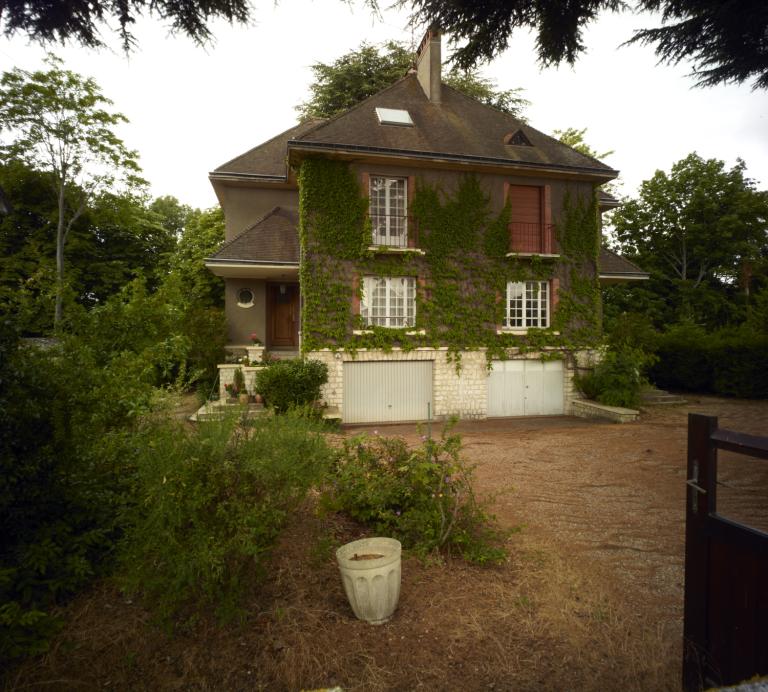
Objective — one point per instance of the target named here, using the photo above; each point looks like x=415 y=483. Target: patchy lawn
x=590 y=600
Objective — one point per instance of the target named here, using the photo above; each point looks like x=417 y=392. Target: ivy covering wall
x=462 y=274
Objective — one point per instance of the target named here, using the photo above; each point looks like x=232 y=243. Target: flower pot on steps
x=370 y=571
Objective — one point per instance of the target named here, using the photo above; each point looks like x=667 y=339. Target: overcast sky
x=191 y=109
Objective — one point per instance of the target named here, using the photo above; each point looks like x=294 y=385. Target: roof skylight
x=394 y=116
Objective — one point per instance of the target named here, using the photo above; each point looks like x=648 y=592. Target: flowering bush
x=255 y=339
x=421 y=496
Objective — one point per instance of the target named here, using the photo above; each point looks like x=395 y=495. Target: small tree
x=363 y=72
x=56 y=123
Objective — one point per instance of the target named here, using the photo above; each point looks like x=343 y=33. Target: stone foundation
x=463 y=394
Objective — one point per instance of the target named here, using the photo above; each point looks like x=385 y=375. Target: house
x=440 y=256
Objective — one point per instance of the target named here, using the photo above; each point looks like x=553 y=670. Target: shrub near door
x=287 y=384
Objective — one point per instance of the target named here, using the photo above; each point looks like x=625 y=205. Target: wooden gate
x=725 y=629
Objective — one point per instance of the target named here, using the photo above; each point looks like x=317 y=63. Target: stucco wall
x=243 y=206
x=242 y=322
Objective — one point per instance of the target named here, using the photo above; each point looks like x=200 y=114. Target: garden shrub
x=62 y=484
x=730 y=362
x=617 y=379
x=210 y=504
x=287 y=384
x=683 y=361
x=421 y=496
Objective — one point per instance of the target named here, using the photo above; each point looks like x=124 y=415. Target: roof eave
x=615 y=278
x=356 y=150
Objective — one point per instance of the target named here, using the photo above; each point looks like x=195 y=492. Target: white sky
x=191 y=109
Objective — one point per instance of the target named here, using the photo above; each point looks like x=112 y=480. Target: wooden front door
x=283 y=315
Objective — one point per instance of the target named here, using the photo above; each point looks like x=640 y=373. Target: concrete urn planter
x=370 y=571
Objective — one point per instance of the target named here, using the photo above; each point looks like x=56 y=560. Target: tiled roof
x=458 y=126
x=272 y=239
x=267 y=158
x=615 y=265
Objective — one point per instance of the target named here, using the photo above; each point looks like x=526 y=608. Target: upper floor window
x=527 y=305
x=389 y=211
x=389 y=301
x=530 y=230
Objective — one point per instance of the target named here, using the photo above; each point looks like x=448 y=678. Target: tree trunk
x=57 y=315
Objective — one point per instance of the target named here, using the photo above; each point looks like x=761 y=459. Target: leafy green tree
x=79 y=20
x=694 y=229
x=724 y=39
x=202 y=235
x=56 y=123
x=115 y=238
x=575 y=139
x=363 y=72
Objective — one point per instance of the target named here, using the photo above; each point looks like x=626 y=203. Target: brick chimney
x=429 y=63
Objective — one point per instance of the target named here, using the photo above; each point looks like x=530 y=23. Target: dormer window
x=518 y=139
x=389 y=211
x=394 y=116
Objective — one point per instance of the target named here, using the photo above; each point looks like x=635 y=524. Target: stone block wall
x=463 y=394
x=227 y=376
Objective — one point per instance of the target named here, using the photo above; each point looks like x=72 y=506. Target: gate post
x=700 y=501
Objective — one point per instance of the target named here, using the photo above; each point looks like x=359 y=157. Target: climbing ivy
x=462 y=274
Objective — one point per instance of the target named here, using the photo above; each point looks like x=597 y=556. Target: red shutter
x=548 y=241
x=365 y=182
x=499 y=299
x=409 y=190
x=554 y=297
x=525 y=218
x=509 y=224
x=356 y=294
x=422 y=284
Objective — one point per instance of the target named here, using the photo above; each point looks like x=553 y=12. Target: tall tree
x=367 y=70
x=55 y=122
x=695 y=229
x=725 y=39
x=79 y=20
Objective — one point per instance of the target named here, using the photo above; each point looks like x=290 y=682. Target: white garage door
x=384 y=392
x=525 y=388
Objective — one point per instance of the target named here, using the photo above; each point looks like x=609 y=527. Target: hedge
x=729 y=363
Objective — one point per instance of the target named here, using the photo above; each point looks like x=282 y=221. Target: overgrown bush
x=730 y=362
x=617 y=379
x=421 y=496
x=62 y=480
x=210 y=504
x=287 y=384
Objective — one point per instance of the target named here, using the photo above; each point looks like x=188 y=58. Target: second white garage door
x=384 y=392
x=525 y=388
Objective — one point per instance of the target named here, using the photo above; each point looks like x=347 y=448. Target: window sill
x=390 y=250
x=524 y=255
x=410 y=332
x=523 y=332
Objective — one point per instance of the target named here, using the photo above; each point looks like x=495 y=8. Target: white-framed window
x=389 y=210
x=389 y=301
x=245 y=298
x=527 y=305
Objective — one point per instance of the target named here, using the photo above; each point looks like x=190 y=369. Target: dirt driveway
x=610 y=498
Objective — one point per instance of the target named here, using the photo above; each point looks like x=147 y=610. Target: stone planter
x=255 y=353
x=370 y=571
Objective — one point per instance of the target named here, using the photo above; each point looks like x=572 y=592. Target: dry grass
x=532 y=624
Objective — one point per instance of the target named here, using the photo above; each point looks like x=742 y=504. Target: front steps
x=658 y=397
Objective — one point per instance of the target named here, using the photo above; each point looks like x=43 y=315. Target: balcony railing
x=392 y=230
x=533 y=238
x=389 y=321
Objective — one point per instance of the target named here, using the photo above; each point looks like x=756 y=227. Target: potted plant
x=256 y=349
x=238 y=385
x=370 y=571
